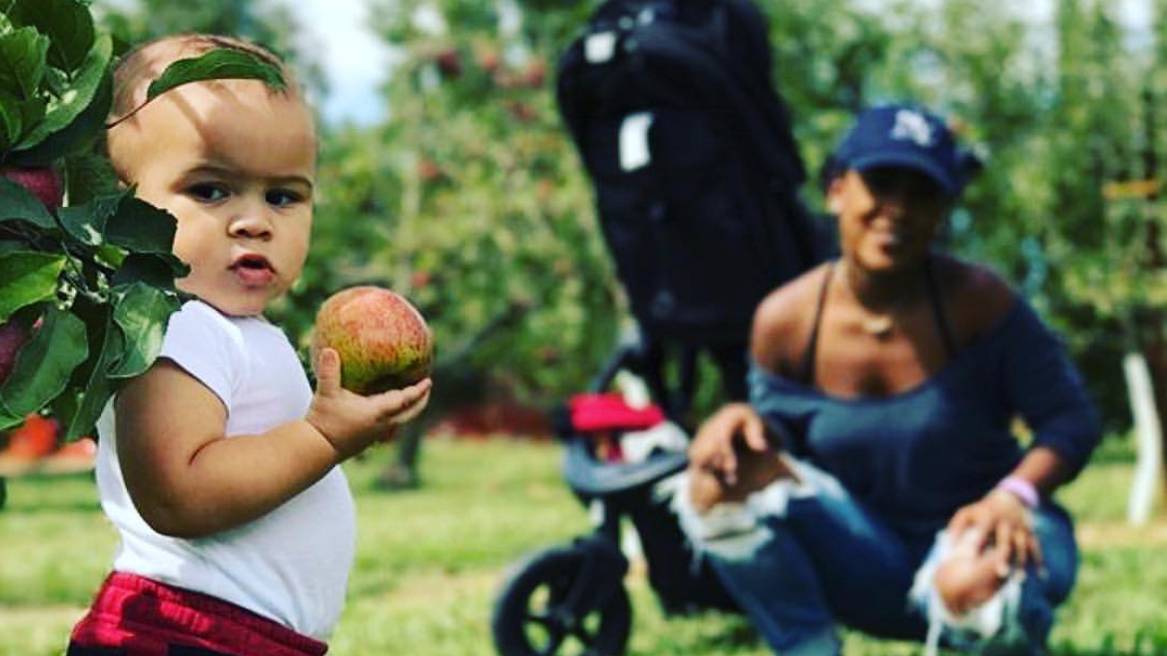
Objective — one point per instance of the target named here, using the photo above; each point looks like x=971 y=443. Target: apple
x=488 y=60
x=535 y=73
x=44 y=183
x=383 y=341
x=429 y=170
x=12 y=337
x=449 y=62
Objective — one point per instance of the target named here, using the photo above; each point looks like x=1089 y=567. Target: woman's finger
x=1021 y=545
x=960 y=522
x=1003 y=540
x=754 y=432
x=728 y=463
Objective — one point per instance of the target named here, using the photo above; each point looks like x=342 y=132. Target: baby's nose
x=251 y=225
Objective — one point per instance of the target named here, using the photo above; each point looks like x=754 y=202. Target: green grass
x=429 y=562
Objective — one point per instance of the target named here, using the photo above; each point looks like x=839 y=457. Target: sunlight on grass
x=429 y=562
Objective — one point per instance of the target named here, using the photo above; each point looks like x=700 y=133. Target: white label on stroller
x=599 y=47
x=634 y=141
x=596 y=512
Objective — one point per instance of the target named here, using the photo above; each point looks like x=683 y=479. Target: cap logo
x=912 y=126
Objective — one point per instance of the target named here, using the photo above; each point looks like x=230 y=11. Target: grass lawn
x=429 y=561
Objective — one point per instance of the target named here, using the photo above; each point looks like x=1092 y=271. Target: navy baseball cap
x=906 y=136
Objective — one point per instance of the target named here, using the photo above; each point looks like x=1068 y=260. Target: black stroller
x=696 y=174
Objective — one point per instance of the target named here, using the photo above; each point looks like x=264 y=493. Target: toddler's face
x=235 y=163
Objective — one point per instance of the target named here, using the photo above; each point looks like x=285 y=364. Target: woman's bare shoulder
x=784 y=320
x=977 y=296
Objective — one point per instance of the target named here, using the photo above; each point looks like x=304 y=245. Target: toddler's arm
x=187 y=479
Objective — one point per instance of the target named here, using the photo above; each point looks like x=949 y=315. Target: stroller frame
x=574 y=593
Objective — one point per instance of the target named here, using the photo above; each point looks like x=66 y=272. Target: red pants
x=137 y=616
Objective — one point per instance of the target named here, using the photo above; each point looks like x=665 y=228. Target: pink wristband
x=1020 y=488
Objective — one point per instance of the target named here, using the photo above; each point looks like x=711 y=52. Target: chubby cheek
x=295 y=254
x=190 y=243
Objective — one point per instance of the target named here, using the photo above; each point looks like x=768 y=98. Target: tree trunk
x=1155 y=352
x=1148 y=437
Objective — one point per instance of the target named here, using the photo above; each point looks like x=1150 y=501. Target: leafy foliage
x=468 y=196
x=94 y=281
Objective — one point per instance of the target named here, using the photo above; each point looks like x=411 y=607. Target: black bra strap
x=806 y=370
x=937 y=302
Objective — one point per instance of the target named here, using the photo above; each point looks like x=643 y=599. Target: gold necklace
x=878 y=326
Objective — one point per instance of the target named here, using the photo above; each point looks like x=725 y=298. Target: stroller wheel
x=539 y=610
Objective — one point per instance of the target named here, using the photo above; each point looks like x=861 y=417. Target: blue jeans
x=800 y=557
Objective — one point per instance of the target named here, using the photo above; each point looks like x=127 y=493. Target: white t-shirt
x=292 y=564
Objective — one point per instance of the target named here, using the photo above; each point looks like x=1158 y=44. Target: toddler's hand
x=351 y=422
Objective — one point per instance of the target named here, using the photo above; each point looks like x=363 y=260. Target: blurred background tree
x=469 y=197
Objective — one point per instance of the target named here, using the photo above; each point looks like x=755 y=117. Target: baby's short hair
x=147 y=61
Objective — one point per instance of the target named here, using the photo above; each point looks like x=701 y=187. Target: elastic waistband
x=145 y=617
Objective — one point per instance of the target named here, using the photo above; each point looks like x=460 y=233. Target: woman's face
x=888 y=216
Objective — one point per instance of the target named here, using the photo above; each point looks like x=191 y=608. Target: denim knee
x=1019 y=618
x=763 y=567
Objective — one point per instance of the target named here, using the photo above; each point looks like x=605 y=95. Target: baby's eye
x=282 y=197
x=206 y=192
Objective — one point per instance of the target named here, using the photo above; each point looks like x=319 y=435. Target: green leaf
x=32 y=112
x=121 y=47
x=155 y=269
x=66 y=404
x=98 y=386
x=10 y=124
x=88 y=176
x=16 y=117
x=22 y=62
x=12 y=245
x=223 y=63
x=67 y=23
x=18 y=204
x=78 y=135
x=62 y=111
x=86 y=223
x=141 y=312
x=26 y=278
x=141 y=228
x=56 y=81
x=45 y=363
x=109 y=256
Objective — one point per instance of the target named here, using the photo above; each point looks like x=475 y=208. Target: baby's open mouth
x=253 y=270
x=252 y=262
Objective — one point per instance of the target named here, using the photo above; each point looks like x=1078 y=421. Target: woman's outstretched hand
x=730 y=458
x=1005 y=524
x=715 y=447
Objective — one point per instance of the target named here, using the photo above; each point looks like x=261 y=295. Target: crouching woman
x=874 y=480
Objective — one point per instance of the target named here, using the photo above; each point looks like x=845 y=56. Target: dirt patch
x=1099 y=535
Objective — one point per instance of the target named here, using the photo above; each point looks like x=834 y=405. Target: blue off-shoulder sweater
x=916 y=457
